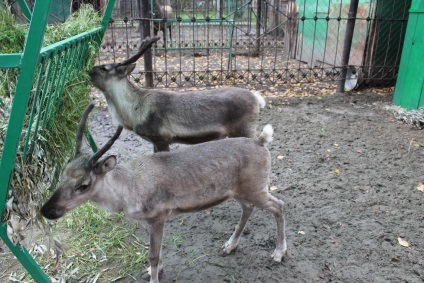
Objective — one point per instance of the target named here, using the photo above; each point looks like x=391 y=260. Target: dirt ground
x=348 y=172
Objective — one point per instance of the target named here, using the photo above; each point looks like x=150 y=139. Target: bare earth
x=348 y=172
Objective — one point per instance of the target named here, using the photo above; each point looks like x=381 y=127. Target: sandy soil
x=348 y=172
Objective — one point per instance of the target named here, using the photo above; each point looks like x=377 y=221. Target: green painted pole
x=25 y=10
x=28 y=66
x=24 y=257
x=30 y=58
x=27 y=62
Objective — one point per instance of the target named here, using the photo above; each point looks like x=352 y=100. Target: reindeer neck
x=121 y=97
x=113 y=189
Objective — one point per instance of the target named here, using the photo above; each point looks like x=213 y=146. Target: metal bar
x=69 y=40
x=29 y=64
x=53 y=96
x=145 y=31
x=61 y=82
x=91 y=141
x=41 y=108
x=258 y=27
x=12 y=60
x=23 y=256
x=106 y=17
x=25 y=10
x=33 y=110
x=30 y=60
x=350 y=27
x=50 y=91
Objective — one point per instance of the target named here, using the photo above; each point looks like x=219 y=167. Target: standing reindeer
x=164 y=117
x=156 y=187
x=165 y=13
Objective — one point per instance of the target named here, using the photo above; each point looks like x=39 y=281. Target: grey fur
x=156 y=187
x=164 y=117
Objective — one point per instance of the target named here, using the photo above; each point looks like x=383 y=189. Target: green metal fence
x=409 y=91
x=43 y=73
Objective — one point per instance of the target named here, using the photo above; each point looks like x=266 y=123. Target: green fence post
x=27 y=62
x=28 y=66
x=409 y=90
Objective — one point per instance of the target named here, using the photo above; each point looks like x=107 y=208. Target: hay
x=31 y=180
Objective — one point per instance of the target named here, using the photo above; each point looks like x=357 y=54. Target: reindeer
x=98 y=5
x=164 y=13
x=156 y=187
x=164 y=117
x=291 y=36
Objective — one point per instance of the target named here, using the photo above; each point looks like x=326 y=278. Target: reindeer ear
x=105 y=165
x=125 y=70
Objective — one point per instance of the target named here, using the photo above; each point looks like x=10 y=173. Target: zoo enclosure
x=43 y=73
x=264 y=42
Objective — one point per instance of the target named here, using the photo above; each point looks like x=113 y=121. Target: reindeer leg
x=233 y=242
x=276 y=207
x=270 y=203
x=170 y=34
x=155 y=250
x=160 y=146
x=164 y=34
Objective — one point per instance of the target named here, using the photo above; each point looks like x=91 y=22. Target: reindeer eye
x=83 y=188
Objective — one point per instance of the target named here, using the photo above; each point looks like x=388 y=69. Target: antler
x=105 y=148
x=145 y=45
x=81 y=127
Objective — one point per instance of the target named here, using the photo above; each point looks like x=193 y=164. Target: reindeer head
x=106 y=75
x=80 y=175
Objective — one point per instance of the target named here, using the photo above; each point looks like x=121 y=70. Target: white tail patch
x=266 y=136
x=260 y=99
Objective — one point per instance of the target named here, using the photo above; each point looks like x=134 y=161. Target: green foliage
x=85 y=19
x=12 y=39
x=94 y=240
x=97 y=240
x=12 y=34
x=48 y=133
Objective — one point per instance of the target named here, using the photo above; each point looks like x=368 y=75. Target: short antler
x=145 y=45
x=105 y=148
x=81 y=127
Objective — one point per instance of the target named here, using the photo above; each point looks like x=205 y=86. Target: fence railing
x=43 y=73
x=277 y=42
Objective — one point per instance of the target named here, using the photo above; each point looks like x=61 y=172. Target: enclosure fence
x=33 y=104
x=263 y=42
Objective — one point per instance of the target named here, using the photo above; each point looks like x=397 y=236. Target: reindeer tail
x=266 y=136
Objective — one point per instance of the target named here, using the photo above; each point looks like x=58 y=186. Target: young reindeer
x=155 y=187
x=164 y=117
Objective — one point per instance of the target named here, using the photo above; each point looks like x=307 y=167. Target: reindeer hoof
x=229 y=247
x=278 y=255
x=146 y=274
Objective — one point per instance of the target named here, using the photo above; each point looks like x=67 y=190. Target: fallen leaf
x=420 y=187
x=273 y=188
x=301 y=232
x=337 y=171
x=402 y=242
